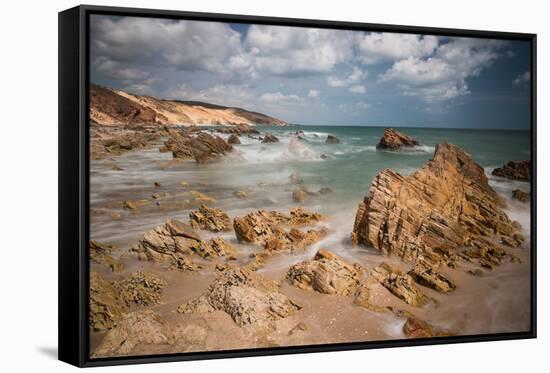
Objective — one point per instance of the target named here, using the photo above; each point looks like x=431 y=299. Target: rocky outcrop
x=108 y=142
x=147 y=332
x=252 y=301
x=515 y=170
x=202 y=147
x=331 y=139
x=327 y=273
x=141 y=288
x=301 y=195
x=435 y=212
x=106 y=306
x=114 y=107
x=233 y=140
x=521 y=196
x=427 y=275
x=276 y=231
x=100 y=254
x=238 y=130
x=399 y=284
x=210 y=218
x=416 y=328
x=393 y=140
x=269 y=138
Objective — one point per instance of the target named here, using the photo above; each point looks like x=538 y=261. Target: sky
x=318 y=76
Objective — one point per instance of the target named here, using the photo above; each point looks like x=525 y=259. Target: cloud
x=354 y=77
x=443 y=75
x=383 y=47
x=522 y=79
x=278 y=97
x=222 y=94
x=313 y=93
x=357 y=89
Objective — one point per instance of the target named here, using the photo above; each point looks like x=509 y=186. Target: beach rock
x=298 y=216
x=106 y=306
x=366 y=296
x=233 y=140
x=301 y=195
x=116 y=141
x=324 y=190
x=269 y=138
x=521 y=196
x=210 y=218
x=155 y=196
x=156 y=184
x=241 y=194
x=201 y=197
x=238 y=130
x=298 y=328
x=515 y=170
x=130 y=205
x=202 y=148
x=331 y=139
x=219 y=247
x=427 y=275
x=416 y=328
x=393 y=140
x=444 y=206
x=327 y=273
x=252 y=301
x=141 y=288
x=399 y=284
x=100 y=254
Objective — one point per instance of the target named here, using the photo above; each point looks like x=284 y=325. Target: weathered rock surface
x=252 y=301
x=327 y=273
x=146 y=331
x=301 y=195
x=269 y=138
x=276 y=231
x=106 y=306
x=141 y=288
x=515 y=170
x=435 y=212
x=521 y=196
x=239 y=130
x=101 y=254
x=331 y=139
x=399 y=284
x=233 y=140
x=393 y=140
x=416 y=328
x=210 y=218
x=107 y=142
x=202 y=147
x=427 y=275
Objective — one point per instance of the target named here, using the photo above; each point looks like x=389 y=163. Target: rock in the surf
x=210 y=218
x=331 y=139
x=269 y=138
x=521 y=196
x=202 y=147
x=101 y=254
x=515 y=170
x=399 y=284
x=393 y=140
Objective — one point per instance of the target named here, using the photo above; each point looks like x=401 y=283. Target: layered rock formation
x=327 y=273
x=399 y=284
x=210 y=218
x=106 y=142
x=521 y=196
x=201 y=147
x=114 y=107
x=393 y=140
x=269 y=138
x=416 y=328
x=520 y=170
x=434 y=213
x=252 y=301
x=233 y=140
x=106 y=306
x=278 y=232
x=100 y=254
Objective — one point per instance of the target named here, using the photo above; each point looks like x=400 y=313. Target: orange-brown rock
x=427 y=275
x=202 y=147
x=106 y=306
x=399 y=284
x=101 y=254
x=210 y=218
x=327 y=273
x=441 y=208
x=141 y=288
x=233 y=140
x=521 y=196
x=520 y=170
x=393 y=140
x=416 y=328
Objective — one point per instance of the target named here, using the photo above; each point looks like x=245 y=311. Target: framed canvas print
x=233 y=186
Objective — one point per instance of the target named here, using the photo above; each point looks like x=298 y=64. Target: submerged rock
x=301 y=195
x=295 y=178
x=521 y=196
x=106 y=142
x=202 y=147
x=331 y=139
x=242 y=129
x=297 y=149
x=252 y=301
x=327 y=273
x=269 y=138
x=399 y=284
x=241 y=194
x=515 y=170
x=210 y=218
x=393 y=140
x=444 y=206
x=233 y=140
x=101 y=254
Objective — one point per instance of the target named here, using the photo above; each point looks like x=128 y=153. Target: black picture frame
x=74 y=184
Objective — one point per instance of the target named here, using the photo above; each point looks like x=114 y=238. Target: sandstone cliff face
x=430 y=215
x=113 y=107
x=393 y=140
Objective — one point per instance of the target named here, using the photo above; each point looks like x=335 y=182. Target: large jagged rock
x=520 y=170
x=106 y=306
x=276 y=231
x=446 y=205
x=252 y=301
x=202 y=147
x=233 y=140
x=269 y=138
x=147 y=331
x=174 y=242
x=327 y=273
x=141 y=288
x=393 y=140
x=100 y=254
x=210 y=218
x=521 y=196
x=107 y=142
x=331 y=139
x=238 y=130
x=399 y=284
x=425 y=274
